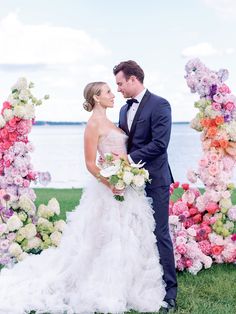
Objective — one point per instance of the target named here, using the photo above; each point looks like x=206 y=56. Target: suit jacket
x=149 y=137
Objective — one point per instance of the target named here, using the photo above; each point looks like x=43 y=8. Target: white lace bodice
x=113 y=142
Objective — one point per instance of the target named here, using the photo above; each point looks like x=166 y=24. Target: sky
x=61 y=45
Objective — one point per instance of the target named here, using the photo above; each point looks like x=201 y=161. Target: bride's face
x=106 y=98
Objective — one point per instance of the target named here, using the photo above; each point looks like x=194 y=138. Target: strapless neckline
x=112 y=131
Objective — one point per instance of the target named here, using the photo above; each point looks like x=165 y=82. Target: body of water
x=59 y=150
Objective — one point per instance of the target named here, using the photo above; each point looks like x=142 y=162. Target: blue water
x=59 y=150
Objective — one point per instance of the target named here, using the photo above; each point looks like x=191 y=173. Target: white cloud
x=225 y=8
x=205 y=50
x=45 y=44
x=200 y=50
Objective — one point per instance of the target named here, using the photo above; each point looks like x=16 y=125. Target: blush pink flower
x=213 y=169
x=181 y=249
x=205 y=247
x=224 y=89
x=216 y=106
x=212 y=207
x=229 y=106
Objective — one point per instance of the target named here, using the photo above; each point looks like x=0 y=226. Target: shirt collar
x=139 y=97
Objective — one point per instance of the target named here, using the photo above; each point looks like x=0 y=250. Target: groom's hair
x=129 y=68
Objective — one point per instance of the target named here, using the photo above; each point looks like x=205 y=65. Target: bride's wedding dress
x=107 y=260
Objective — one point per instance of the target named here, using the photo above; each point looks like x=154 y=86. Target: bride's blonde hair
x=91 y=89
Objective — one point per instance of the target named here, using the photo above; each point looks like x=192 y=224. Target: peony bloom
x=14 y=223
x=54 y=206
x=15 y=249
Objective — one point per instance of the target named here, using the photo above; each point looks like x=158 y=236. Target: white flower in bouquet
x=139 y=180
x=20 y=84
x=54 y=206
x=34 y=243
x=30 y=231
x=24 y=95
x=8 y=114
x=13 y=100
x=19 y=111
x=29 y=111
x=15 y=249
x=45 y=212
x=110 y=171
x=59 y=225
x=23 y=216
x=22 y=256
x=128 y=177
x=14 y=223
x=21 y=234
x=56 y=238
x=3 y=228
x=120 y=185
x=26 y=203
x=2 y=121
x=44 y=225
x=225 y=203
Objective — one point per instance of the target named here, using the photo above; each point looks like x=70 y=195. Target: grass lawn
x=212 y=291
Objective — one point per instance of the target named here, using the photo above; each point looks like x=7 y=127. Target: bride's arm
x=91 y=137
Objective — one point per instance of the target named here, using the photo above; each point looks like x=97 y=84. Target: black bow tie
x=131 y=101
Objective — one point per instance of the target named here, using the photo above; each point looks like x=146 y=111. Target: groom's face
x=125 y=86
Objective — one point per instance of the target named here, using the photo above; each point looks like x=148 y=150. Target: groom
x=146 y=119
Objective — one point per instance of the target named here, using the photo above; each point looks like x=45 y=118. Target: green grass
x=211 y=291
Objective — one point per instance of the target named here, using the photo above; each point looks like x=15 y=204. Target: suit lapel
x=124 y=119
x=136 y=117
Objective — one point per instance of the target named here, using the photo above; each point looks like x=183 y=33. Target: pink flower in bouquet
x=13 y=122
x=213 y=169
x=180 y=264
x=188 y=197
x=185 y=186
x=26 y=183
x=233 y=237
x=181 y=249
x=18 y=180
x=197 y=218
x=212 y=220
x=179 y=207
x=224 y=89
x=24 y=127
x=213 y=157
x=205 y=247
x=188 y=223
x=218 y=98
x=228 y=163
x=216 y=106
x=229 y=106
x=188 y=263
x=6 y=105
x=193 y=211
x=229 y=252
x=4 y=133
x=232 y=213
x=212 y=207
x=217 y=249
x=192 y=176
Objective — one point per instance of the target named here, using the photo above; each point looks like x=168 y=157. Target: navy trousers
x=160 y=196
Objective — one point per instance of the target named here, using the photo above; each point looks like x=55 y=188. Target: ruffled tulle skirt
x=107 y=262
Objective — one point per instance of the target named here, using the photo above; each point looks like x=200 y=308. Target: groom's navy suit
x=148 y=141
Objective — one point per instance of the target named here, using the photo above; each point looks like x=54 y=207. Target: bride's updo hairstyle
x=90 y=90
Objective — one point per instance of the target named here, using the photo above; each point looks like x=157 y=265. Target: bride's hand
x=123 y=156
x=116 y=191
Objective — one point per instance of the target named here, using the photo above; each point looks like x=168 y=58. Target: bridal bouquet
x=121 y=174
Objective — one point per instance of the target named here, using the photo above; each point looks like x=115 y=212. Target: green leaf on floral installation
x=119 y=198
x=113 y=180
x=35 y=251
x=14 y=91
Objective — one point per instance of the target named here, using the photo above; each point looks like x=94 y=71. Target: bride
x=108 y=260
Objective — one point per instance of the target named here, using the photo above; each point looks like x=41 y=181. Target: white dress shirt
x=131 y=114
x=132 y=111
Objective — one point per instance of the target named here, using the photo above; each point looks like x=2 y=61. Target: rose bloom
x=213 y=169
x=229 y=106
x=181 y=249
x=211 y=207
x=217 y=249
